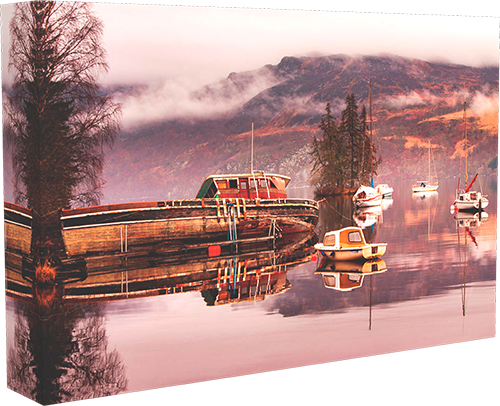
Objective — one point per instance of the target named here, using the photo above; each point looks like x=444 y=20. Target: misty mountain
x=174 y=136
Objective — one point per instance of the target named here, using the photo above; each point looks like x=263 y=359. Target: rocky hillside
x=168 y=154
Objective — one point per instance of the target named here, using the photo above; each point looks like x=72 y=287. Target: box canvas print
x=217 y=192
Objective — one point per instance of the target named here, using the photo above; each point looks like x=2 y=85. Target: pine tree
x=344 y=157
x=350 y=129
x=328 y=156
x=369 y=162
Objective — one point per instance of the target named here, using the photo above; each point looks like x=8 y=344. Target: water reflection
x=471 y=220
x=59 y=350
x=345 y=276
x=64 y=356
x=367 y=216
x=137 y=309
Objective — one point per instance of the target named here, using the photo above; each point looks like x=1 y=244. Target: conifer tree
x=350 y=129
x=328 y=156
x=344 y=157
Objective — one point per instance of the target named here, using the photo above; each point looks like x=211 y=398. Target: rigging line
x=333 y=208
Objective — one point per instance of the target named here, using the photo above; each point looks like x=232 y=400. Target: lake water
x=437 y=286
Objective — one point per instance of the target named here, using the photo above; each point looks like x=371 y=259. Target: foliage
x=58 y=121
x=344 y=157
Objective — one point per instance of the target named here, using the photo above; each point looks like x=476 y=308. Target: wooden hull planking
x=148 y=231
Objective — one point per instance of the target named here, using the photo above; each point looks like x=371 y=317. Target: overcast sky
x=207 y=43
x=178 y=49
x=199 y=45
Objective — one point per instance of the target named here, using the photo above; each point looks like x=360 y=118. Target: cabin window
x=473 y=196
x=212 y=191
x=355 y=236
x=243 y=185
x=329 y=240
x=222 y=184
x=263 y=183
x=272 y=185
x=233 y=184
x=252 y=183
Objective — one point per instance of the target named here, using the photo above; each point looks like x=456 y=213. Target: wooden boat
x=345 y=276
x=348 y=244
x=426 y=185
x=225 y=210
x=367 y=196
x=468 y=200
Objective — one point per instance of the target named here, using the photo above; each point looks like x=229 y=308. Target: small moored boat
x=367 y=196
x=348 y=244
x=468 y=200
x=426 y=185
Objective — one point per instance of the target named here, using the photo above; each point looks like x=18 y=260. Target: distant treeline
x=345 y=156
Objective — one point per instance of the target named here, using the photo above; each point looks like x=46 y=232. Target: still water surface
x=437 y=287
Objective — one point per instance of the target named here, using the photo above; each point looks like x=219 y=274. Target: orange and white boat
x=348 y=244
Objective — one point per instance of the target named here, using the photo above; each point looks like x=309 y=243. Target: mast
x=251 y=153
x=465 y=135
x=430 y=162
x=371 y=136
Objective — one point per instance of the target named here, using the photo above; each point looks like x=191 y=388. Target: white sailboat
x=468 y=200
x=426 y=185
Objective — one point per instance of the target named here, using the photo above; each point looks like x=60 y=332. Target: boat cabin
x=349 y=237
x=244 y=186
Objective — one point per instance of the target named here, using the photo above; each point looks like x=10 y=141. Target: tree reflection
x=63 y=357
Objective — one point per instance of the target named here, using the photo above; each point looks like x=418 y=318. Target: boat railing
x=185 y=203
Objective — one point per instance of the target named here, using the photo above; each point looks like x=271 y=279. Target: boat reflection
x=432 y=194
x=470 y=219
x=345 y=276
x=367 y=216
x=387 y=203
x=223 y=278
x=59 y=348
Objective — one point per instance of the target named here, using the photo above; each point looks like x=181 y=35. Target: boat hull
x=370 y=251
x=371 y=202
x=184 y=222
x=471 y=205
x=166 y=225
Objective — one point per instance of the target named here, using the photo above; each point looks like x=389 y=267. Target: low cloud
x=484 y=103
x=173 y=99
x=479 y=103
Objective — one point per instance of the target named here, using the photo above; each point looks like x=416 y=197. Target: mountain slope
x=413 y=101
